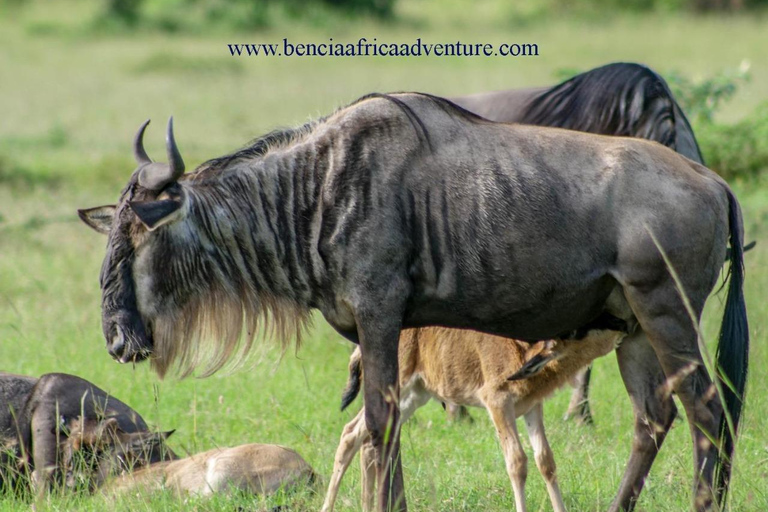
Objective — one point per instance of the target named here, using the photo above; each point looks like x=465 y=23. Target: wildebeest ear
x=154 y=214
x=99 y=218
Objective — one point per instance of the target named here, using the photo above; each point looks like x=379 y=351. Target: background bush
x=737 y=151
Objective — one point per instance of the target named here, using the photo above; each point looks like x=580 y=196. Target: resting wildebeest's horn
x=158 y=176
x=138 y=146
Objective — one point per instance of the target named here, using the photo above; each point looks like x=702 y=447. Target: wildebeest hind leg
x=654 y=413
x=674 y=340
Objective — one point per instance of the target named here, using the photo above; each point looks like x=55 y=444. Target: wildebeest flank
x=404 y=211
x=621 y=98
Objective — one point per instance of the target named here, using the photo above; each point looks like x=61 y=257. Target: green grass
x=70 y=104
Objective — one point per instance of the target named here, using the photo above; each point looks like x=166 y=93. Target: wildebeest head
x=131 y=297
x=98 y=449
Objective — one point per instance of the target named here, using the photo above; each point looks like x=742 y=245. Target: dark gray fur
x=46 y=407
x=622 y=98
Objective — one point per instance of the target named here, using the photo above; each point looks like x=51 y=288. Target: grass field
x=71 y=101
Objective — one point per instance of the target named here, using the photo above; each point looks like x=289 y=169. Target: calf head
x=98 y=449
x=536 y=357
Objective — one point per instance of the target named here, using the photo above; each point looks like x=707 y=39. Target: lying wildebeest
x=254 y=468
x=14 y=390
x=621 y=98
x=50 y=406
x=463 y=367
x=406 y=210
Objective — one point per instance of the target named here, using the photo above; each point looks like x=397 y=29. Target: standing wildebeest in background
x=622 y=98
x=463 y=367
x=405 y=210
x=50 y=406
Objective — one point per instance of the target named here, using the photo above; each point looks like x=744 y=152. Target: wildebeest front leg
x=654 y=413
x=379 y=334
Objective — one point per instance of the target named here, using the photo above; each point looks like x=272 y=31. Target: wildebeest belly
x=513 y=311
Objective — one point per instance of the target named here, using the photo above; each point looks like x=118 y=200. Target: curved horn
x=158 y=176
x=138 y=146
x=174 y=157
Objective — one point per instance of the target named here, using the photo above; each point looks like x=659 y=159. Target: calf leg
x=501 y=407
x=352 y=438
x=578 y=408
x=458 y=413
x=368 y=476
x=545 y=459
x=654 y=414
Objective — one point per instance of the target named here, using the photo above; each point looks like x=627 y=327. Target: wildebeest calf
x=254 y=468
x=462 y=367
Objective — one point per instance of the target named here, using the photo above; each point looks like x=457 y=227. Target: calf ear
x=533 y=366
x=154 y=214
x=99 y=218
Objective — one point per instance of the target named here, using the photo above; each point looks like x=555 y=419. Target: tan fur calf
x=107 y=451
x=253 y=468
x=462 y=367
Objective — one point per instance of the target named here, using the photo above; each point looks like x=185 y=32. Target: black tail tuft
x=732 y=352
x=353 y=383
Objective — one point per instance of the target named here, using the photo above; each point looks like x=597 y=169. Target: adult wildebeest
x=621 y=98
x=406 y=210
x=45 y=409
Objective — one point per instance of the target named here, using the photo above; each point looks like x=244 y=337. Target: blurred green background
x=78 y=77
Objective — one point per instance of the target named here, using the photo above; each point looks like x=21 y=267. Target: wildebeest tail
x=732 y=350
x=355 y=377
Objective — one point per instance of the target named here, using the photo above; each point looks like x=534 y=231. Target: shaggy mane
x=218 y=329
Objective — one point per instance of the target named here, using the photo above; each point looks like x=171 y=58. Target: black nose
x=116 y=345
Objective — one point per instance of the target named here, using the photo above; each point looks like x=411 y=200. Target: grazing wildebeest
x=50 y=406
x=621 y=98
x=406 y=210
x=254 y=468
x=463 y=367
